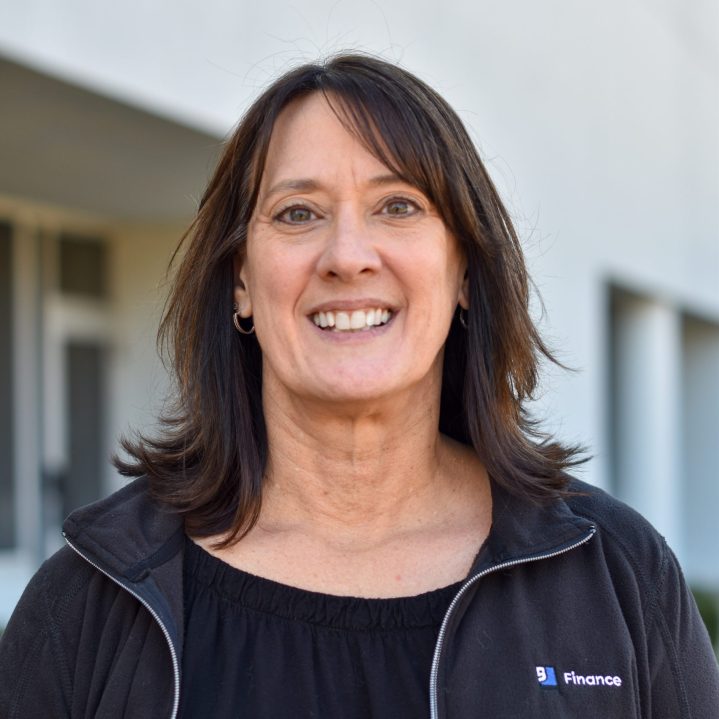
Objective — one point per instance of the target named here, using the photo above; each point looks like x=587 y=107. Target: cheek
x=446 y=276
x=269 y=286
x=264 y=267
x=275 y=283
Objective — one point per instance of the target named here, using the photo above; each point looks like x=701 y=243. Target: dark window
x=85 y=422
x=83 y=266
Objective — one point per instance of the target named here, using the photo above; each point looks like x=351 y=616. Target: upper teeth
x=355 y=320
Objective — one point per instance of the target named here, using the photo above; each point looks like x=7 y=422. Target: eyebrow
x=306 y=184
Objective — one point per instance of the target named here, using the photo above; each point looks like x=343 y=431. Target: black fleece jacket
x=576 y=609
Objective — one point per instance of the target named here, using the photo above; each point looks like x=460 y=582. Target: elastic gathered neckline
x=249 y=591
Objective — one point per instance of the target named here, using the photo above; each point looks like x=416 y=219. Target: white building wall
x=597 y=120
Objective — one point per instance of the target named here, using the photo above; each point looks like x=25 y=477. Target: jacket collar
x=126 y=534
x=522 y=529
x=129 y=538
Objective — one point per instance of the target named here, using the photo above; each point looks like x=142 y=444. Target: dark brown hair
x=209 y=458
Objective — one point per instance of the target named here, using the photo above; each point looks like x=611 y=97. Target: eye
x=295 y=215
x=400 y=207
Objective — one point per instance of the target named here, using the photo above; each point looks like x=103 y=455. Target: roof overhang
x=68 y=146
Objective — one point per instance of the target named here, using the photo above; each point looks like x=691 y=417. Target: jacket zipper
x=433 y=701
x=173 y=653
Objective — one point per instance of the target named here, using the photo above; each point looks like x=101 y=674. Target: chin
x=342 y=394
x=363 y=389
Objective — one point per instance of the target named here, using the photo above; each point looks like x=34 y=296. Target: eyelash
x=414 y=207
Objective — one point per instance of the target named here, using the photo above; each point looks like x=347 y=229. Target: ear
x=241 y=291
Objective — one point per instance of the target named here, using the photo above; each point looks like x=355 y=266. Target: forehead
x=309 y=140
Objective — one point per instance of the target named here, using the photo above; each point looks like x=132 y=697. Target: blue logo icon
x=546 y=676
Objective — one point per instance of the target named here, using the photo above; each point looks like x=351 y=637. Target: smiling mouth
x=355 y=321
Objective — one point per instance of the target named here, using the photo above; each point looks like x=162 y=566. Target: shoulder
x=621 y=530
x=41 y=637
x=646 y=575
x=635 y=554
x=611 y=515
x=58 y=595
x=59 y=582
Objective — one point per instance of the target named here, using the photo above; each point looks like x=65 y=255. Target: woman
x=349 y=514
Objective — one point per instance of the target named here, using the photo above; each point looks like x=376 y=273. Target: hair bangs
x=393 y=131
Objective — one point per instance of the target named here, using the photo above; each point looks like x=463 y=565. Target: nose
x=350 y=248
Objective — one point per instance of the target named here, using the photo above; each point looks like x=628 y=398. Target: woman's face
x=350 y=275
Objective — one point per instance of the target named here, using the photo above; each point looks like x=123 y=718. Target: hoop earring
x=462 y=317
x=238 y=326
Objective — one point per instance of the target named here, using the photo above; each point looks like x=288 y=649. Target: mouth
x=360 y=320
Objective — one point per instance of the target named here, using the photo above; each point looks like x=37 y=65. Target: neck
x=365 y=471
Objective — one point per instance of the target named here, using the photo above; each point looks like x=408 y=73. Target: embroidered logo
x=592 y=680
x=546 y=676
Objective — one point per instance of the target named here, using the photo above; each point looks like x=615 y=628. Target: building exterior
x=598 y=123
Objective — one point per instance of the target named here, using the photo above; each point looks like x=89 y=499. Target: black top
x=256 y=648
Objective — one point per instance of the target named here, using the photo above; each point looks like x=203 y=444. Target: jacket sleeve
x=35 y=673
x=684 y=670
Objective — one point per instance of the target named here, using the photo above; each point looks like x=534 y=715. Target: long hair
x=208 y=458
